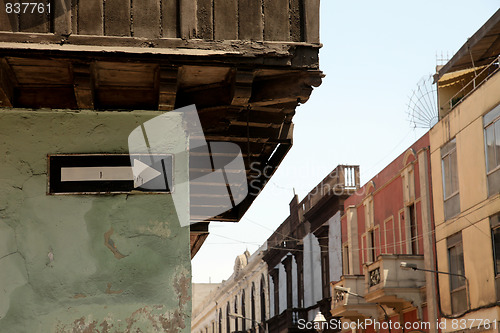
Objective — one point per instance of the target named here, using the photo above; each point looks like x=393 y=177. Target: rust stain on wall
x=111 y=292
x=110 y=244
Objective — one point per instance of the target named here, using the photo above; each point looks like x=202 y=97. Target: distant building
x=239 y=304
x=465 y=156
x=387 y=222
x=304 y=253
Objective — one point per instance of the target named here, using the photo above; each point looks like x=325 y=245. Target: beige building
x=465 y=159
x=239 y=304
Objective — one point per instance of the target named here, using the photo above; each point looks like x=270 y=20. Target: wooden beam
x=242 y=87
x=278 y=90
x=7 y=84
x=168 y=80
x=83 y=76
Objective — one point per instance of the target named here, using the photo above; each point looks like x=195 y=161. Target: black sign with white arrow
x=109 y=173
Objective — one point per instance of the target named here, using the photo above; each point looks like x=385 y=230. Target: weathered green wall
x=69 y=263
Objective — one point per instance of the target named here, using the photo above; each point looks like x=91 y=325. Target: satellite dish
x=422 y=107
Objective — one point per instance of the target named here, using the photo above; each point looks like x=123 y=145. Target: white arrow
x=140 y=173
x=143 y=173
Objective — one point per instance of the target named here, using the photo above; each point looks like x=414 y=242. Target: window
x=345 y=259
x=413 y=230
x=252 y=305
x=220 y=320
x=495 y=238
x=325 y=271
x=456 y=266
x=263 y=300
x=243 y=312
x=236 y=312
x=491 y=123
x=450 y=179
x=228 y=320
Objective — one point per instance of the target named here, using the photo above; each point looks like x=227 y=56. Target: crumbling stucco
x=57 y=270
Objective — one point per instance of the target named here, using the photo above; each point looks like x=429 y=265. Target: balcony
x=386 y=283
x=287 y=321
x=348 y=305
x=456 y=86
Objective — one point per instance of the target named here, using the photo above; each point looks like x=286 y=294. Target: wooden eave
x=480 y=49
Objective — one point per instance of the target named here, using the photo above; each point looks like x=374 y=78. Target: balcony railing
x=343 y=180
x=384 y=279
x=483 y=74
x=347 y=304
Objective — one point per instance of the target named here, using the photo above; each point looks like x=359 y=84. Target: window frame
x=491 y=120
x=452 y=242
x=446 y=152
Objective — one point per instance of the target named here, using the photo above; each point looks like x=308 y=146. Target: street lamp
x=408 y=266
x=235 y=315
x=319 y=319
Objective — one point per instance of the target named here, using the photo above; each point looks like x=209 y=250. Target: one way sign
x=109 y=173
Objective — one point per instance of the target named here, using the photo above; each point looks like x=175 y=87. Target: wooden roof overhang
x=244 y=94
x=480 y=49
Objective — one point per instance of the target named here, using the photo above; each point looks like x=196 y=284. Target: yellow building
x=465 y=160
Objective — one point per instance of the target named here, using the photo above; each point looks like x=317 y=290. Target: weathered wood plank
x=117 y=18
x=296 y=20
x=33 y=22
x=90 y=17
x=250 y=20
x=7 y=84
x=311 y=21
x=188 y=19
x=276 y=20
x=83 y=85
x=242 y=87
x=205 y=19
x=167 y=88
x=62 y=17
x=146 y=14
x=226 y=19
x=170 y=21
x=74 y=16
x=8 y=22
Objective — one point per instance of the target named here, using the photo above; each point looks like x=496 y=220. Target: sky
x=374 y=53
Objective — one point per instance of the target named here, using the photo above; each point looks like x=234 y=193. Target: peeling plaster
x=56 y=275
x=110 y=244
